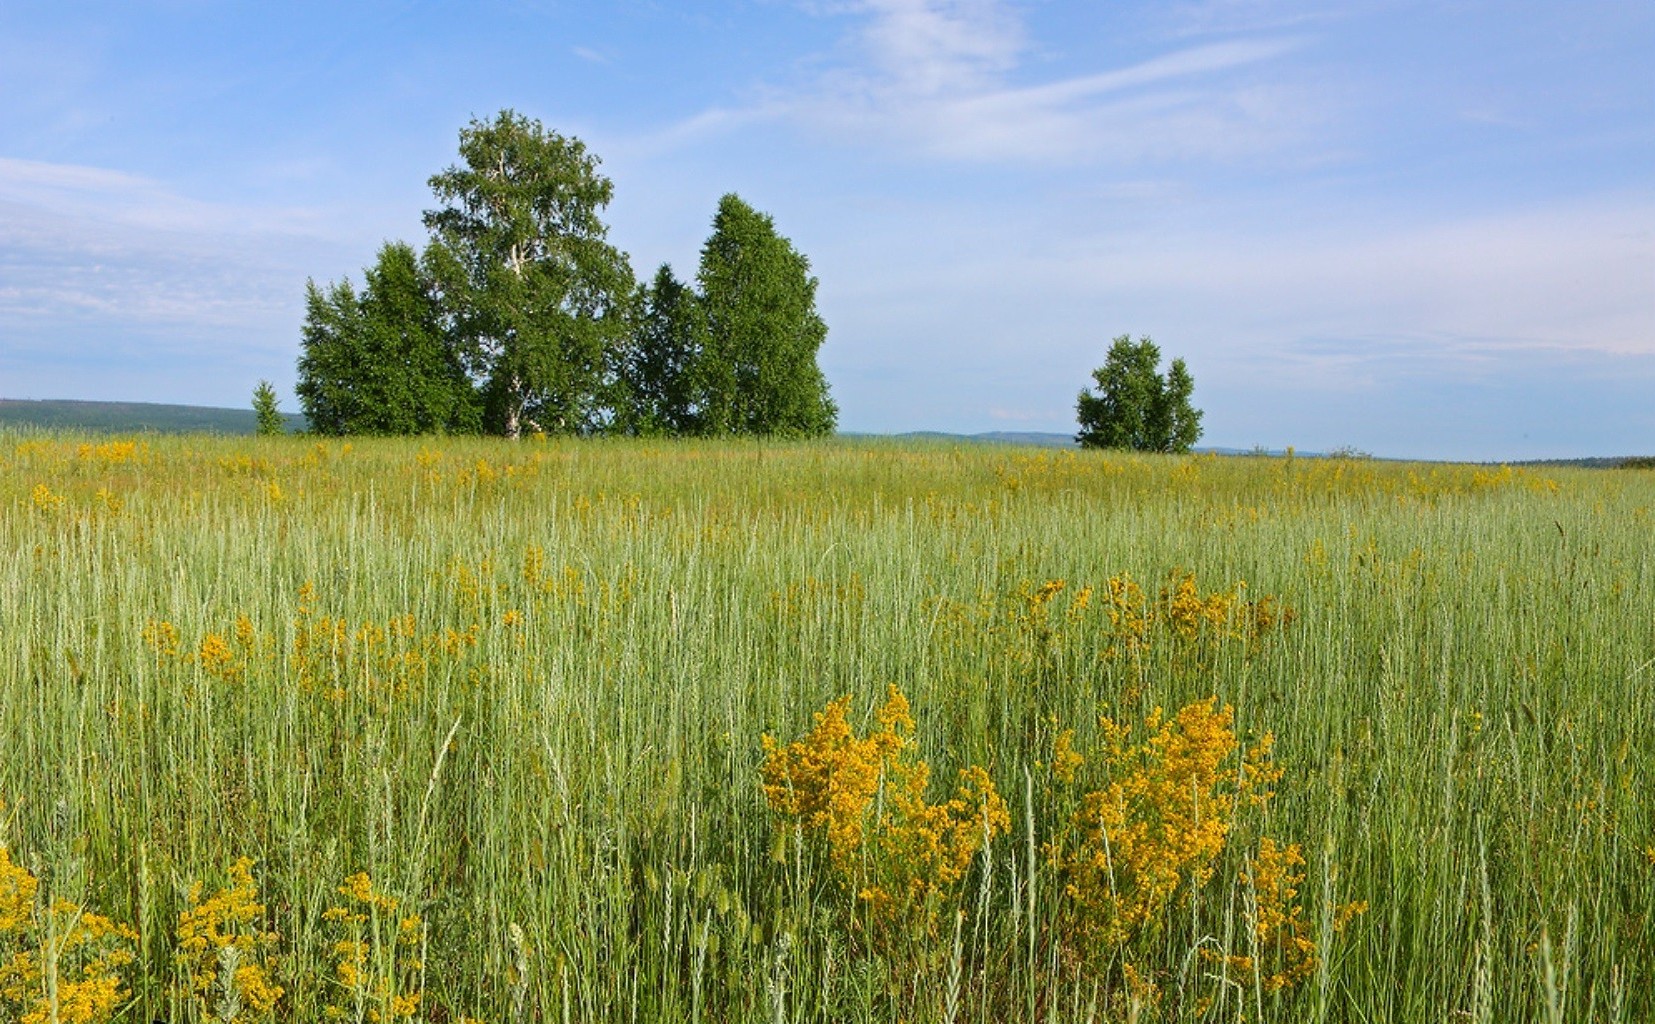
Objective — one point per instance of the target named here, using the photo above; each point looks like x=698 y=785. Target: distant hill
x=131 y=417
x=1035 y=438
x=138 y=417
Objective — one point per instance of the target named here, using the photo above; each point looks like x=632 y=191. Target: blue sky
x=1419 y=229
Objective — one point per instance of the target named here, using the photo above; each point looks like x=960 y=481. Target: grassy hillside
x=130 y=417
x=847 y=731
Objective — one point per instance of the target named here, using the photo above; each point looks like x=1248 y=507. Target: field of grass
x=849 y=731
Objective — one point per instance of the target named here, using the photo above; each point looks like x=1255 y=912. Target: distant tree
x=1135 y=407
x=758 y=374
x=415 y=382
x=659 y=388
x=535 y=293
x=381 y=362
x=333 y=352
x=521 y=316
x=1176 y=419
x=264 y=410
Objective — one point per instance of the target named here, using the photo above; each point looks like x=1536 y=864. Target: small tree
x=657 y=389
x=270 y=421
x=759 y=373
x=380 y=361
x=1135 y=407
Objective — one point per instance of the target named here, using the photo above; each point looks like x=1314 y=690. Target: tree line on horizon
x=519 y=316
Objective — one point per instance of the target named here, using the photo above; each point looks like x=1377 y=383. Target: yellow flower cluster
x=1037 y=634
x=222 y=939
x=220 y=657
x=59 y=963
x=217 y=659
x=376 y=660
x=1155 y=828
x=46 y=500
x=113 y=453
x=866 y=798
x=828 y=780
x=1188 y=612
x=1284 y=954
x=1129 y=615
x=161 y=637
x=376 y=955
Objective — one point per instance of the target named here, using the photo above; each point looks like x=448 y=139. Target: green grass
x=1461 y=706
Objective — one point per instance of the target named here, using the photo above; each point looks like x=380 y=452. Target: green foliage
x=537 y=295
x=658 y=377
x=759 y=375
x=380 y=362
x=1135 y=407
x=333 y=358
x=269 y=418
x=521 y=317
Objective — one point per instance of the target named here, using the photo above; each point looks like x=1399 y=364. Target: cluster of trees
x=519 y=315
x=1136 y=406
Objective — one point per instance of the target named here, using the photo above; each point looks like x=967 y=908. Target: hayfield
x=626 y=731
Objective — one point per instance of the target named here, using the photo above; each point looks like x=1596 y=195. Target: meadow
x=464 y=730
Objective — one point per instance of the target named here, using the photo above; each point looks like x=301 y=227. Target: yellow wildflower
x=81 y=982
x=232 y=918
x=161 y=637
x=1156 y=828
x=375 y=954
x=45 y=500
x=902 y=861
x=216 y=658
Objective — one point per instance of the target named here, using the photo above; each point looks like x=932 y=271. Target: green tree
x=1134 y=406
x=535 y=294
x=333 y=351
x=1176 y=419
x=415 y=383
x=759 y=373
x=659 y=373
x=264 y=409
x=381 y=362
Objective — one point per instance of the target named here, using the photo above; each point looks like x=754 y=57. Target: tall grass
x=523 y=688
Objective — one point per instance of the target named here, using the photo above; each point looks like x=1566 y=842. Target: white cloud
x=941 y=47
x=1570 y=276
x=1291 y=321
x=941 y=78
x=94 y=245
x=128 y=200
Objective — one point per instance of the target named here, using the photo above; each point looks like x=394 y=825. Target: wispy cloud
x=1223 y=17
x=129 y=200
x=941 y=47
x=90 y=244
x=941 y=78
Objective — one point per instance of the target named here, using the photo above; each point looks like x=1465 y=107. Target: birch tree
x=536 y=296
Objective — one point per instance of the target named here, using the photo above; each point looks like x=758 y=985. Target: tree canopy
x=536 y=293
x=661 y=370
x=379 y=362
x=267 y=418
x=520 y=316
x=763 y=331
x=1136 y=407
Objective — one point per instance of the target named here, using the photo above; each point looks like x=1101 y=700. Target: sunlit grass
x=488 y=721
